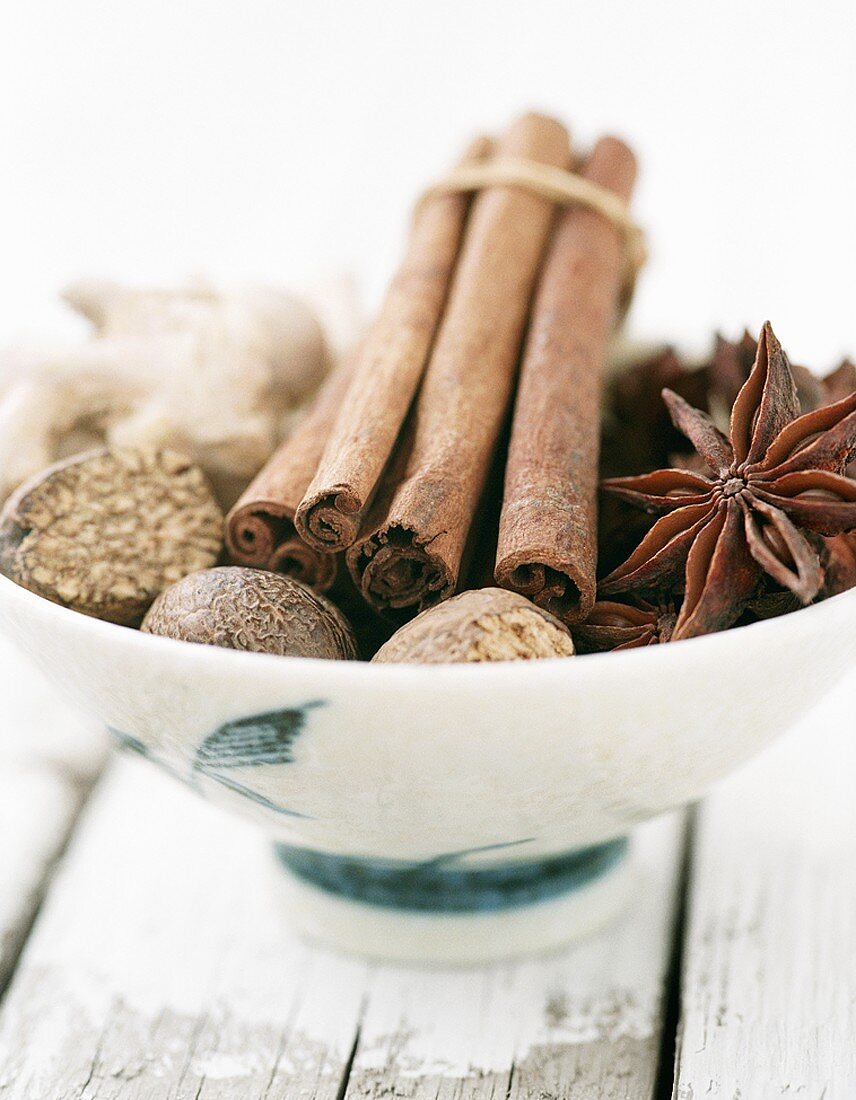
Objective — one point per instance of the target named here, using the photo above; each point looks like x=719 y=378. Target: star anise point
x=774 y=487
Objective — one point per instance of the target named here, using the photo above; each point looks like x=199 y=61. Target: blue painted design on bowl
x=461 y=853
x=129 y=743
x=257 y=739
x=433 y=886
x=251 y=742
x=233 y=784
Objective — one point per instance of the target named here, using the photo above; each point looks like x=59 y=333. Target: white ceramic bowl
x=451 y=812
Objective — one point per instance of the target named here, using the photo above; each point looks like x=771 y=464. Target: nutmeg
x=252 y=609
x=104 y=532
x=489 y=624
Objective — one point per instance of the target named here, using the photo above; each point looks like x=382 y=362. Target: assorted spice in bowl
x=440 y=501
x=104 y=533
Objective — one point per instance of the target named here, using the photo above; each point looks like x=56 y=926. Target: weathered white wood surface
x=161 y=967
x=769 y=981
x=585 y=1023
x=47 y=764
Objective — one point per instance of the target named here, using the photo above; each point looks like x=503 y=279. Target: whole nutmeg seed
x=488 y=624
x=252 y=609
x=104 y=532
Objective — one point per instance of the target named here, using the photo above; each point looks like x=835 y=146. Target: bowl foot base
x=443 y=912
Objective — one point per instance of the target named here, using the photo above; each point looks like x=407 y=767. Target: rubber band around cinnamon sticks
x=563 y=188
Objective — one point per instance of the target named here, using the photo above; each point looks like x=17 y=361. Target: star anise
x=836 y=386
x=841 y=382
x=638 y=434
x=732 y=362
x=613 y=625
x=839 y=564
x=775 y=486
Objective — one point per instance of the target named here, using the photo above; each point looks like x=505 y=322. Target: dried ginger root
x=219 y=376
x=54 y=404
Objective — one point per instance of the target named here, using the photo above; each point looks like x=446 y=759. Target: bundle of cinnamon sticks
x=486 y=355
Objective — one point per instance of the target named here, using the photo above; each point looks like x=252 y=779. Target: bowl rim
x=522 y=673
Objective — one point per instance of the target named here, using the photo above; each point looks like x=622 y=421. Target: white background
x=282 y=140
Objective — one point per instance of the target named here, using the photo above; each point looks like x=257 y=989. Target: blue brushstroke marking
x=453 y=857
x=129 y=743
x=266 y=738
x=133 y=745
x=259 y=739
x=433 y=887
x=254 y=796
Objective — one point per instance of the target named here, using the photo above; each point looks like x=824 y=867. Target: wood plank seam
x=667 y=1070
x=349 y=1064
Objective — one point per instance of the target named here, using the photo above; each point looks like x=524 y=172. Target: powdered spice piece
x=488 y=624
x=105 y=532
x=252 y=609
x=776 y=486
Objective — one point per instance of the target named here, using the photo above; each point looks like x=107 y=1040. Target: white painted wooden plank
x=37 y=809
x=162 y=967
x=48 y=761
x=769 y=986
x=583 y=1023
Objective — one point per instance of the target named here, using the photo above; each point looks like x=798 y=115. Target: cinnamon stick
x=548 y=526
x=387 y=373
x=411 y=553
x=260 y=528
